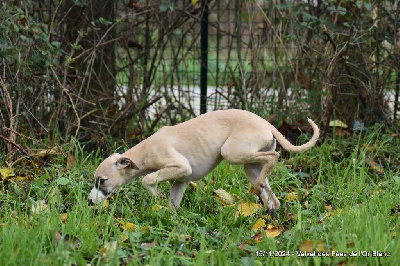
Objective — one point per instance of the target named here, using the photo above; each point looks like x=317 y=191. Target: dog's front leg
x=165 y=174
x=176 y=195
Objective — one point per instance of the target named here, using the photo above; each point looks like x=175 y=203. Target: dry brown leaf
x=75 y=242
x=224 y=197
x=71 y=161
x=374 y=166
x=243 y=247
x=14 y=214
x=147 y=245
x=311 y=245
x=342 y=132
x=245 y=208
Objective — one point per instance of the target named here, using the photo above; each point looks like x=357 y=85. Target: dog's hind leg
x=255 y=173
x=176 y=194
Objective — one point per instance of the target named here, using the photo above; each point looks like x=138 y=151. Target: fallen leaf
x=258 y=237
x=374 y=166
x=105 y=204
x=291 y=196
x=243 y=247
x=394 y=135
x=311 y=245
x=158 y=207
x=273 y=231
x=109 y=249
x=64 y=217
x=39 y=207
x=14 y=214
x=328 y=208
x=147 y=245
x=127 y=226
x=6 y=173
x=75 y=242
x=123 y=238
x=245 y=209
x=193 y=185
x=71 y=161
x=342 y=132
x=260 y=223
x=337 y=123
x=46 y=152
x=224 y=197
x=186 y=237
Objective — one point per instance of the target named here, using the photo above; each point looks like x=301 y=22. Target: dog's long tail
x=292 y=148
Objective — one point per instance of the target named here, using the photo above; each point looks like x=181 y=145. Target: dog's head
x=114 y=171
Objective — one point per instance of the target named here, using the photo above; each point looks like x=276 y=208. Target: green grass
x=364 y=216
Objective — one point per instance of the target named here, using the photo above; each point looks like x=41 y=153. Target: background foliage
x=91 y=69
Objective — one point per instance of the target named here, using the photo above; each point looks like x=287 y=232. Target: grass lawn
x=338 y=198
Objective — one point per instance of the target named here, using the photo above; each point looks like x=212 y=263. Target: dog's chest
x=199 y=170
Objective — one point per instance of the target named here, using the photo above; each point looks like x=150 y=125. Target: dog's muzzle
x=96 y=196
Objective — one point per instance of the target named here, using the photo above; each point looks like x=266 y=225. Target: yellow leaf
x=145 y=229
x=193 y=185
x=109 y=248
x=123 y=238
x=64 y=217
x=224 y=197
x=245 y=209
x=291 y=196
x=6 y=173
x=273 y=231
x=337 y=123
x=311 y=245
x=328 y=208
x=194 y=2
x=127 y=226
x=157 y=207
x=260 y=223
x=105 y=204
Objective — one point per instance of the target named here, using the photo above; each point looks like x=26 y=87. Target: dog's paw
x=273 y=203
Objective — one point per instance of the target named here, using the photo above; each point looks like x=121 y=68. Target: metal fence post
x=204 y=57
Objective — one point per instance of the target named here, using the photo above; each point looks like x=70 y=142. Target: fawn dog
x=190 y=150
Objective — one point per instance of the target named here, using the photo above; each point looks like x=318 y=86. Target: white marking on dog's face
x=96 y=196
x=114 y=171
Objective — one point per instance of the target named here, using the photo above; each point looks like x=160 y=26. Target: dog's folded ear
x=124 y=162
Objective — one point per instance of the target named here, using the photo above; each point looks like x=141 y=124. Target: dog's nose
x=91 y=202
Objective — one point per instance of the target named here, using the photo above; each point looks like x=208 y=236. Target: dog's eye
x=102 y=180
